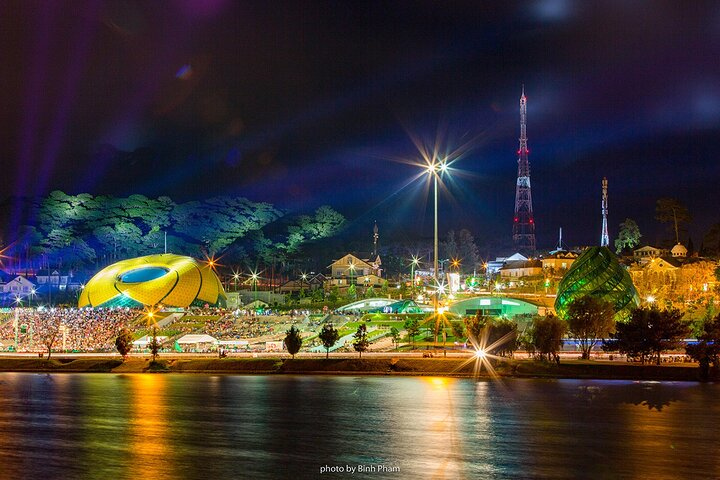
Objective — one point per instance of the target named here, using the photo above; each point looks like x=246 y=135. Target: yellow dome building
x=166 y=279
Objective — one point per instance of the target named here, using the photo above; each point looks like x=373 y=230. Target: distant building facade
x=559 y=262
x=354 y=270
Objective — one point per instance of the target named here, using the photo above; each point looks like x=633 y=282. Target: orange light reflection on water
x=150 y=451
x=441 y=429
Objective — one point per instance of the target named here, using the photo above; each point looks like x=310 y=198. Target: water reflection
x=653 y=395
x=186 y=426
x=149 y=426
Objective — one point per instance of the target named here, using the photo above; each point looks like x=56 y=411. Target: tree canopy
x=460 y=246
x=329 y=335
x=360 y=341
x=648 y=333
x=546 y=336
x=293 y=341
x=628 y=235
x=74 y=231
x=590 y=319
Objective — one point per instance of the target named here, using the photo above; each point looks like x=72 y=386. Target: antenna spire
x=559 y=245
x=376 y=236
x=604 y=237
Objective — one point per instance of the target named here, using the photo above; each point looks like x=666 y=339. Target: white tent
x=194 y=339
x=233 y=343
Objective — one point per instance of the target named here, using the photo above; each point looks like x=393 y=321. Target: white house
x=18 y=287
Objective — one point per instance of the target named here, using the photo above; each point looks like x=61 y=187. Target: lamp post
x=413 y=263
x=436 y=168
x=303 y=280
x=254 y=278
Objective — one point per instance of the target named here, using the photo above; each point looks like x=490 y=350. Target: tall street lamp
x=352 y=274
x=254 y=277
x=413 y=263
x=236 y=277
x=303 y=278
x=436 y=168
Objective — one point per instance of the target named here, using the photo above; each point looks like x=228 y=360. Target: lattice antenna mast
x=523 y=222
x=604 y=238
x=559 y=245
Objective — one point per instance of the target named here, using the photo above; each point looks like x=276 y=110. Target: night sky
x=308 y=103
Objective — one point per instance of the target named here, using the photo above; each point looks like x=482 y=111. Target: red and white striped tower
x=523 y=221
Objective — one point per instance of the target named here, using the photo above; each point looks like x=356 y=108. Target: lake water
x=226 y=427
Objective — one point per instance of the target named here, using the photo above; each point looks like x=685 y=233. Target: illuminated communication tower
x=523 y=221
x=604 y=237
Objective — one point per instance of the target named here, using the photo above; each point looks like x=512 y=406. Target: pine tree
x=329 y=335
x=361 y=342
x=293 y=341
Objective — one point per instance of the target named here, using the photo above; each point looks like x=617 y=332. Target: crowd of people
x=232 y=327
x=71 y=329
x=95 y=330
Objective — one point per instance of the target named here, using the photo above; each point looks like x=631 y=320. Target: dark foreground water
x=186 y=426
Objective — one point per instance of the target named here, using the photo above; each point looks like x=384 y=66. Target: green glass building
x=597 y=272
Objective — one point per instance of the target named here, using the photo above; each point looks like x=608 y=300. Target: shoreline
x=386 y=366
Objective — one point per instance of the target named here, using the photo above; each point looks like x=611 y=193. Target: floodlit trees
x=462 y=247
x=695 y=279
x=329 y=335
x=412 y=326
x=293 y=341
x=475 y=324
x=648 y=333
x=395 y=335
x=80 y=230
x=628 y=235
x=498 y=333
x=546 y=335
x=504 y=335
x=458 y=329
x=590 y=319
x=123 y=342
x=352 y=293
x=360 y=342
x=317 y=295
